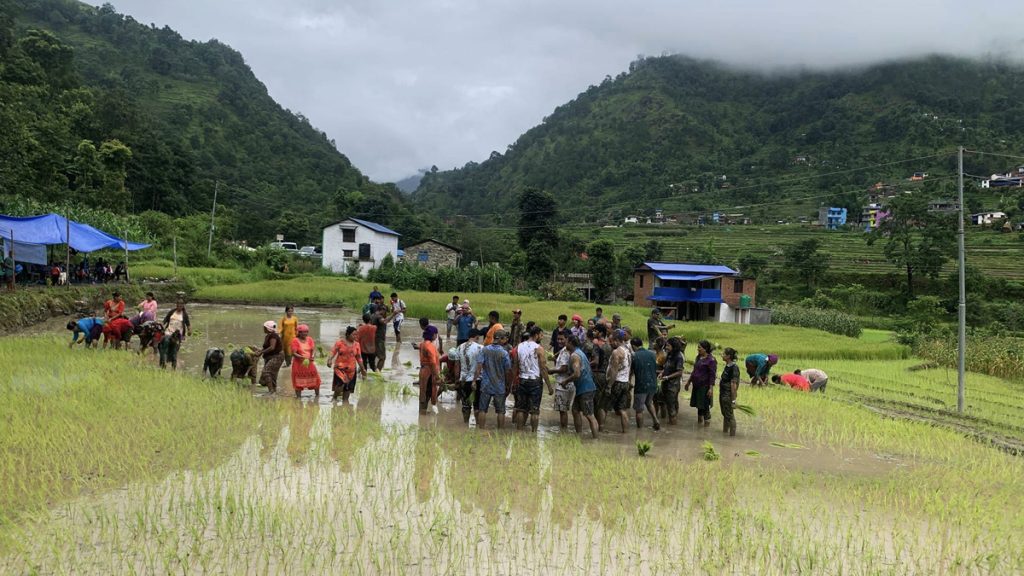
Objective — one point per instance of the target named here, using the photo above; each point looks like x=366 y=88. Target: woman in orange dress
x=346 y=356
x=287 y=328
x=430 y=371
x=304 y=374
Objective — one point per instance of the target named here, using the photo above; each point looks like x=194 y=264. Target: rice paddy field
x=109 y=466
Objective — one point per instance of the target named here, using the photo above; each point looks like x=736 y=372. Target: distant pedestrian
x=671 y=378
x=728 y=389
x=817 y=378
x=493 y=375
x=702 y=379
x=758 y=367
x=645 y=376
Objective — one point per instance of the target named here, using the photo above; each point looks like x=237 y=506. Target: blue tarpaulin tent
x=54 y=229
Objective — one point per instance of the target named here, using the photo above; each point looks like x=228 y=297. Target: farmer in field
x=645 y=377
x=464 y=323
x=451 y=311
x=565 y=384
x=758 y=366
x=366 y=335
x=603 y=352
x=578 y=329
x=468 y=355
x=304 y=373
x=244 y=362
x=817 y=378
x=493 y=374
x=273 y=356
x=89 y=328
x=655 y=327
x=397 y=316
x=430 y=372
x=288 y=325
x=118 y=331
x=705 y=368
x=493 y=325
x=671 y=378
x=345 y=357
x=586 y=388
x=114 y=307
x=560 y=330
x=532 y=367
x=728 y=387
x=147 y=310
x=598 y=316
x=618 y=397
x=379 y=320
x=516 y=329
x=178 y=320
x=794 y=381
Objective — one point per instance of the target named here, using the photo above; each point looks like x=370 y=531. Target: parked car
x=286 y=246
x=310 y=252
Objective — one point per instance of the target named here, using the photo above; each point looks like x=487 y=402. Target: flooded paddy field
x=808 y=486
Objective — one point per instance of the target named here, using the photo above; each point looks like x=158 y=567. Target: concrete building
x=359 y=243
x=987 y=218
x=685 y=291
x=432 y=254
x=871 y=216
x=831 y=218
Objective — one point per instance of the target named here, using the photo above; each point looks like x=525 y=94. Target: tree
x=602 y=265
x=752 y=265
x=537 y=232
x=916 y=240
x=654 y=250
x=805 y=260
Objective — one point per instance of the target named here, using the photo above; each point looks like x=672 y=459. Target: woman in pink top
x=147 y=308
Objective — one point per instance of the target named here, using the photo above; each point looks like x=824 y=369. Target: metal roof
x=375 y=227
x=688 y=277
x=687 y=268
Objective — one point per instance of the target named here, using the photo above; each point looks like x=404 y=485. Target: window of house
x=348 y=234
x=348 y=253
x=364 y=251
x=423 y=256
x=737 y=286
x=641 y=280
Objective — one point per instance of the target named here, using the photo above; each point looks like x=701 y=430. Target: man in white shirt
x=817 y=378
x=468 y=353
x=565 y=386
x=618 y=376
x=532 y=367
x=451 y=311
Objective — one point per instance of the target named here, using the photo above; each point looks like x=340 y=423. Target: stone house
x=432 y=254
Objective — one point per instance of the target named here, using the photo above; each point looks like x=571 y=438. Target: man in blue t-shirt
x=493 y=373
x=463 y=324
x=586 y=387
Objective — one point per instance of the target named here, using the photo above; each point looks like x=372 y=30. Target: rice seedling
x=746 y=409
x=710 y=454
x=643 y=447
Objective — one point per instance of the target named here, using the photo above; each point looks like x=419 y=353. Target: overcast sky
x=406 y=84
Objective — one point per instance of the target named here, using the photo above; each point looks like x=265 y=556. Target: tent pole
x=67 y=237
x=174 y=247
x=14 y=282
x=127 y=278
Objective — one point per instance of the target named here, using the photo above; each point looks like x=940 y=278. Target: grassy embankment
x=28 y=306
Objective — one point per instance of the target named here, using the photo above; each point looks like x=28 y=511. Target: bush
x=402 y=276
x=828 y=320
x=987 y=353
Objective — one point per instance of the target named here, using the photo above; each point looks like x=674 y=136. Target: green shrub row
x=831 y=321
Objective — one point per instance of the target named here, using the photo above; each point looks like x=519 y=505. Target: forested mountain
x=689 y=135
x=110 y=113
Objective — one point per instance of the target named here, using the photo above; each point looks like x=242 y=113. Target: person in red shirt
x=346 y=356
x=117 y=331
x=114 y=307
x=430 y=371
x=366 y=335
x=795 y=381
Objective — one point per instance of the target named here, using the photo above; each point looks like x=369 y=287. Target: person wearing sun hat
x=304 y=373
x=273 y=356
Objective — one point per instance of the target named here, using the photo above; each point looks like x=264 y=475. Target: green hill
x=687 y=136
x=164 y=119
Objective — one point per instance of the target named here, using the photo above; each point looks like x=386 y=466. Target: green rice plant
x=710 y=454
x=643 y=447
x=789 y=445
x=746 y=409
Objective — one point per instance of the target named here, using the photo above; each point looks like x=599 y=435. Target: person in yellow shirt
x=288 y=327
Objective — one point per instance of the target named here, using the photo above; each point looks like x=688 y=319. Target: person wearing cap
x=273 y=356
x=618 y=397
x=493 y=375
x=304 y=373
x=655 y=327
x=464 y=323
x=532 y=367
x=451 y=310
x=493 y=325
x=430 y=372
x=516 y=329
x=577 y=329
x=468 y=353
x=346 y=356
x=758 y=366
x=565 y=384
x=557 y=333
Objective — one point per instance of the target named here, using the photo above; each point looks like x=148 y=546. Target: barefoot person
x=565 y=381
x=430 y=371
x=645 y=376
x=273 y=356
x=586 y=388
x=289 y=327
x=618 y=377
x=397 y=316
x=303 y=352
x=493 y=373
x=468 y=354
x=759 y=366
x=89 y=328
x=671 y=378
x=728 y=388
x=114 y=307
x=346 y=356
x=532 y=366
x=702 y=379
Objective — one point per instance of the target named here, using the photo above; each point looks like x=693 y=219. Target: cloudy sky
x=406 y=84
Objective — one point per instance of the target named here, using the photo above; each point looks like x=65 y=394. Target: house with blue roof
x=687 y=291
x=358 y=243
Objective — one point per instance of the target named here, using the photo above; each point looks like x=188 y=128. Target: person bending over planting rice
x=794 y=381
x=346 y=356
x=118 y=331
x=817 y=378
x=758 y=366
x=89 y=328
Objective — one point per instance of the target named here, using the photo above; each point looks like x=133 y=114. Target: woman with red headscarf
x=304 y=374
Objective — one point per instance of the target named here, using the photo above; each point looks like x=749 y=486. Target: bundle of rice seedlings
x=746 y=409
x=642 y=447
x=710 y=454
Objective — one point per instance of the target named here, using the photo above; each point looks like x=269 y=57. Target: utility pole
x=962 y=332
x=67 y=237
x=480 y=271
x=213 y=213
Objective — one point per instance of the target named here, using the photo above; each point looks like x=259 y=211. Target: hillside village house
x=360 y=243
x=987 y=218
x=685 y=291
x=432 y=254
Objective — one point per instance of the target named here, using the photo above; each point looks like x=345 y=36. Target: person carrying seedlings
x=90 y=328
x=493 y=374
x=345 y=357
x=467 y=356
x=304 y=373
x=288 y=325
x=244 y=362
x=728 y=387
x=793 y=380
x=645 y=377
x=671 y=378
x=586 y=388
x=565 y=386
x=618 y=398
x=817 y=378
x=758 y=366
x=532 y=367
x=430 y=372
x=702 y=379
x=493 y=325
x=273 y=356
x=366 y=335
